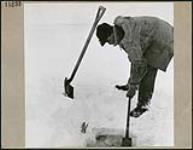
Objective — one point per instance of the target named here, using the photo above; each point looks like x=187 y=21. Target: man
x=148 y=41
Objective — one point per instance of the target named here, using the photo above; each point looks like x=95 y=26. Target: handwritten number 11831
x=12 y=3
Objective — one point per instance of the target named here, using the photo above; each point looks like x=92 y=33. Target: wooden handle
x=128 y=118
x=100 y=13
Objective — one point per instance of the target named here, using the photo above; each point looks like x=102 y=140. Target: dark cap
x=104 y=30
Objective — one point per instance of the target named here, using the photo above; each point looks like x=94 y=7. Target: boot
x=122 y=87
x=139 y=110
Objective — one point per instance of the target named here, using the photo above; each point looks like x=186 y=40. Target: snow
x=51 y=51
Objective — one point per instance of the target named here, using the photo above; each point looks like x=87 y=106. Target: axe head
x=126 y=142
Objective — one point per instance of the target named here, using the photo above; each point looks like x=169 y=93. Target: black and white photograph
x=99 y=74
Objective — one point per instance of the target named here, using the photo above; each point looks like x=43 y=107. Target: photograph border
x=13 y=78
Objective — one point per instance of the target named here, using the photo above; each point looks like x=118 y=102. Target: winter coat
x=147 y=41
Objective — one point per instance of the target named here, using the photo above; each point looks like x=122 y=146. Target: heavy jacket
x=147 y=41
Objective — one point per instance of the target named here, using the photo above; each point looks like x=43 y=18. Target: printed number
x=12 y=3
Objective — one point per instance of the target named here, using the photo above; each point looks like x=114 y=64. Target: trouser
x=146 y=86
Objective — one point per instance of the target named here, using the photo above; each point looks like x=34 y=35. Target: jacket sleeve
x=133 y=48
x=137 y=72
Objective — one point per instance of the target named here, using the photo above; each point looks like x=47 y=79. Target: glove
x=131 y=91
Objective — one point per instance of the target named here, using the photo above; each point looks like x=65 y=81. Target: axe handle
x=99 y=15
x=128 y=119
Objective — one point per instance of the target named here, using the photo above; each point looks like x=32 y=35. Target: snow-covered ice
x=53 y=42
